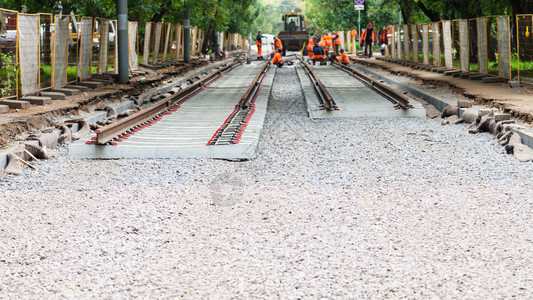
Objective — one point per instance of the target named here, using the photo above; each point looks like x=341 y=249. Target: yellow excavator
x=294 y=36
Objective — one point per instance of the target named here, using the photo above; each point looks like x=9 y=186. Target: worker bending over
x=368 y=38
x=259 y=43
x=343 y=59
x=277 y=44
x=277 y=60
x=318 y=53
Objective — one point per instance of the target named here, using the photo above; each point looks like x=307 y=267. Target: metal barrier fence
x=481 y=45
x=524 y=56
x=43 y=51
x=164 y=42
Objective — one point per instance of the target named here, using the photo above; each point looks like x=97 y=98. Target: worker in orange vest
x=327 y=39
x=318 y=51
x=277 y=60
x=277 y=44
x=310 y=46
x=336 y=42
x=343 y=59
x=367 y=39
x=354 y=35
x=259 y=43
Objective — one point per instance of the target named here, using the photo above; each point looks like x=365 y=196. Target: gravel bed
x=339 y=208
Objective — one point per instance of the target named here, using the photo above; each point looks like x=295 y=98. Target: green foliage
x=8 y=74
x=325 y=16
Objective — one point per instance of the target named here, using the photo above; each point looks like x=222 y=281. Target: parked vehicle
x=8 y=40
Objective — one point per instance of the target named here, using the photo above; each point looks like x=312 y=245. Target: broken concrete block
x=465 y=103
x=13 y=166
x=4 y=109
x=514 y=84
x=484 y=111
x=502 y=117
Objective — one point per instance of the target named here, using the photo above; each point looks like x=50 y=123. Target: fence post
x=504 y=47
x=425 y=43
x=436 y=44
x=447 y=37
x=147 y=36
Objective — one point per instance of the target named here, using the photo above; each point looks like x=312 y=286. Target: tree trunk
x=432 y=15
x=208 y=34
x=165 y=6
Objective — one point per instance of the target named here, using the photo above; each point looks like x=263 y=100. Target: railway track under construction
x=216 y=114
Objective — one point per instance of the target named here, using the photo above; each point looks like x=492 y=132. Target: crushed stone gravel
x=337 y=208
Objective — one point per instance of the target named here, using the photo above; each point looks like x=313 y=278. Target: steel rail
x=324 y=98
x=400 y=99
x=233 y=126
x=115 y=129
x=254 y=86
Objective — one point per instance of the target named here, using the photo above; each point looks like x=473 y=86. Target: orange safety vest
x=343 y=58
x=327 y=38
x=319 y=56
x=278 y=44
x=277 y=59
x=363 y=37
x=311 y=44
x=310 y=47
x=338 y=40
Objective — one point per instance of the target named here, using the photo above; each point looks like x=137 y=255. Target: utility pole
x=359 y=28
x=400 y=16
x=123 y=53
x=187 y=35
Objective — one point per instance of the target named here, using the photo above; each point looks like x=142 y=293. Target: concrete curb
x=440 y=104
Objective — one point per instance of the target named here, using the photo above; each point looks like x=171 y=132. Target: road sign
x=359 y=7
x=359 y=2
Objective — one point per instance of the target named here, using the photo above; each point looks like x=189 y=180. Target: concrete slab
x=54 y=95
x=476 y=77
x=66 y=91
x=185 y=133
x=37 y=100
x=20 y=104
x=91 y=84
x=426 y=67
x=77 y=87
x=490 y=79
x=450 y=73
x=464 y=75
x=443 y=70
x=102 y=80
x=4 y=109
x=353 y=98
